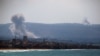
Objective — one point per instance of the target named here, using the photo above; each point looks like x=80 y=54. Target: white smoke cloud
x=18 y=27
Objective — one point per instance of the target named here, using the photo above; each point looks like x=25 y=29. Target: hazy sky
x=51 y=11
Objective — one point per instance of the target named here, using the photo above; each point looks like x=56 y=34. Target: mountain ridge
x=64 y=31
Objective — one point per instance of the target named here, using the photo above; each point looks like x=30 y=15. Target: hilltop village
x=43 y=44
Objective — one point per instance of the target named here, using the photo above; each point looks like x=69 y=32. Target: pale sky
x=51 y=11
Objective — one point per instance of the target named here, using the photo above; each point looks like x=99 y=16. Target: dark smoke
x=86 y=22
x=18 y=27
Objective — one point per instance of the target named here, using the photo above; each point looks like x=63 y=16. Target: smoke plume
x=18 y=27
x=85 y=21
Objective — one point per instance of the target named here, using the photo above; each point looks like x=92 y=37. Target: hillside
x=67 y=31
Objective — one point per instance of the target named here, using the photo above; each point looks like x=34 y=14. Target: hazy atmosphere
x=51 y=11
x=50 y=24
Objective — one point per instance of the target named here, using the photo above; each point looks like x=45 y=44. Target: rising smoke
x=18 y=27
x=85 y=21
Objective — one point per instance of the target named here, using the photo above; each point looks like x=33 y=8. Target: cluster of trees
x=44 y=44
